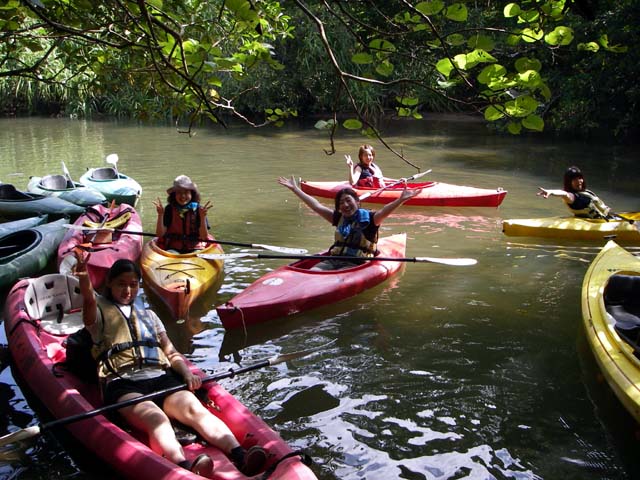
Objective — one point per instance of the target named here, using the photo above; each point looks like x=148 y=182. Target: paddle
x=29 y=432
x=393 y=184
x=66 y=172
x=113 y=160
x=273 y=248
x=457 y=262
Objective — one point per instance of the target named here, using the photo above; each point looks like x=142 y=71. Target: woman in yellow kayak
x=183 y=222
x=356 y=232
x=365 y=173
x=582 y=202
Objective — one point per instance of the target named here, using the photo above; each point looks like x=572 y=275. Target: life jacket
x=127 y=343
x=183 y=227
x=367 y=177
x=356 y=236
x=588 y=205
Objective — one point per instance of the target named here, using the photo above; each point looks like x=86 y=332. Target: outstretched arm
x=385 y=211
x=312 y=203
x=566 y=196
x=89 y=304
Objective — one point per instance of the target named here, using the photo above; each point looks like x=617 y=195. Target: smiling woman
x=356 y=232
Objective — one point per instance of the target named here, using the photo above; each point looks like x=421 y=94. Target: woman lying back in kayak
x=184 y=220
x=136 y=357
x=365 y=173
x=356 y=228
x=582 y=202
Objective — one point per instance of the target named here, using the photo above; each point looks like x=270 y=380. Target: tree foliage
x=202 y=59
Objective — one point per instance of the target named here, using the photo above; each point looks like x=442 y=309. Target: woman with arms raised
x=356 y=232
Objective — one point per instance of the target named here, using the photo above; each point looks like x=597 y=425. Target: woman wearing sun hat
x=183 y=221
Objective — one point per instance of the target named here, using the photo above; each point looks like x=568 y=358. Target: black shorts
x=115 y=389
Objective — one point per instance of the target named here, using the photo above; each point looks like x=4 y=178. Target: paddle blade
x=112 y=158
x=302 y=353
x=71 y=226
x=273 y=248
x=20 y=435
x=456 y=262
x=66 y=171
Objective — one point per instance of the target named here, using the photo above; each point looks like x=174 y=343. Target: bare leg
x=150 y=418
x=186 y=408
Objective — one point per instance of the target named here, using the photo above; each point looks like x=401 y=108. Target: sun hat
x=183 y=182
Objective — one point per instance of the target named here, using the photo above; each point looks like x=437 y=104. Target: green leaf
x=408 y=101
x=445 y=67
x=482 y=42
x=456 y=39
x=403 y=112
x=530 y=79
x=533 y=122
x=589 y=47
x=529 y=16
x=530 y=35
x=559 y=36
x=521 y=106
x=604 y=41
x=514 y=128
x=526 y=63
x=382 y=45
x=352 y=124
x=491 y=114
x=362 y=58
x=430 y=8
x=511 y=10
x=457 y=12
x=478 y=56
x=384 y=68
x=491 y=73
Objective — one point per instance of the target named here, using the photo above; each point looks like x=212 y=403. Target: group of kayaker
x=112 y=318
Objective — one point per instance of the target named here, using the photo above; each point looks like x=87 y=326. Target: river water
x=443 y=372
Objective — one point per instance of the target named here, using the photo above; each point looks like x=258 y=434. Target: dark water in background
x=444 y=372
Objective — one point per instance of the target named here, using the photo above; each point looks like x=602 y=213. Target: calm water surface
x=442 y=373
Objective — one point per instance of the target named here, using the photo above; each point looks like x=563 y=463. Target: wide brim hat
x=182 y=182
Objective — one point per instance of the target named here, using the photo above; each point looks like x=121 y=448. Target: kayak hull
x=103 y=254
x=574 y=228
x=36 y=345
x=179 y=279
x=74 y=192
x=29 y=251
x=121 y=188
x=294 y=288
x=614 y=356
x=16 y=225
x=434 y=194
x=17 y=204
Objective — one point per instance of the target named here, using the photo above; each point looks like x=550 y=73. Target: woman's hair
x=364 y=147
x=569 y=175
x=120 y=266
x=195 y=197
x=345 y=191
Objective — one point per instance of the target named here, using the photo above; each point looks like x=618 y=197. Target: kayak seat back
x=9 y=192
x=56 y=182
x=622 y=302
x=56 y=301
x=104 y=173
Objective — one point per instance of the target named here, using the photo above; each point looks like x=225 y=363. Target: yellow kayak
x=178 y=279
x=574 y=228
x=610 y=309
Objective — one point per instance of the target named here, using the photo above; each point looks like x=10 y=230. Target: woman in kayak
x=365 y=173
x=582 y=202
x=356 y=232
x=183 y=222
x=136 y=357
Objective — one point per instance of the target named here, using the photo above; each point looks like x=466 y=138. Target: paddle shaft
x=393 y=184
x=29 y=432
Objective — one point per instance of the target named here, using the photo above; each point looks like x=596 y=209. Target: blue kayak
x=17 y=225
x=17 y=204
x=61 y=187
x=113 y=185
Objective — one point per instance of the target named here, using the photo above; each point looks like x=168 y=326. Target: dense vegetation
x=532 y=65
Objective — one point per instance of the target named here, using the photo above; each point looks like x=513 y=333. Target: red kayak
x=37 y=344
x=106 y=246
x=434 y=194
x=294 y=288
